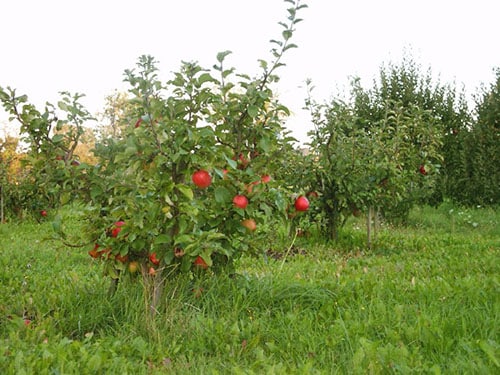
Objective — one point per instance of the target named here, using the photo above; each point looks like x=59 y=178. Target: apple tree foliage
x=479 y=182
x=50 y=168
x=217 y=120
x=379 y=149
x=9 y=175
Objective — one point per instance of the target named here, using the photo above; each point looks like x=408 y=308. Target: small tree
x=483 y=149
x=379 y=151
x=186 y=186
x=50 y=176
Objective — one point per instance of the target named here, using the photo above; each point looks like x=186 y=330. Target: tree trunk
x=369 y=227
x=372 y=225
x=2 y=218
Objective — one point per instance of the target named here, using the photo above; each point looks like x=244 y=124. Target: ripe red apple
x=422 y=170
x=240 y=201
x=200 y=262
x=265 y=179
x=301 y=203
x=202 y=179
x=95 y=253
x=117 y=228
x=43 y=213
x=138 y=123
x=242 y=161
x=153 y=259
x=249 y=224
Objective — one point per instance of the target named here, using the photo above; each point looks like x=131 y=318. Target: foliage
x=380 y=149
x=481 y=152
x=145 y=205
x=49 y=175
x=9 y=174
x=114 y=119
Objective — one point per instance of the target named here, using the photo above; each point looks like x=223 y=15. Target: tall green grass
x=425 y=299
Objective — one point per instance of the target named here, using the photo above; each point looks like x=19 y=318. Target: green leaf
x=222 y=55
x=65 y=198
x=253 y=111
x=161 y=239
x=186 y=191
x=222 y=195
x=183 y=239
x=265 y=144
x=206 y=256
x=62 y=105
x=57 y=138
x=287 y=34
x=169 y=257
x=205 y=77
x=232 y=163
x=289 y=46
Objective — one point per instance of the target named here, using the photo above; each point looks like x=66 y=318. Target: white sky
x=85 y=45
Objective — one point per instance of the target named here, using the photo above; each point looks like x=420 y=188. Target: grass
x=425 y=299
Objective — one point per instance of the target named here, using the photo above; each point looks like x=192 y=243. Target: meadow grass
x=424 y=299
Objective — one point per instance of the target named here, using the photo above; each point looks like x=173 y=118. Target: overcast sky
x=84 y=46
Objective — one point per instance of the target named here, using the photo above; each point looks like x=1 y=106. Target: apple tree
x=50 y=137
x=479 y=184
x=188 y=187
x=372 y=152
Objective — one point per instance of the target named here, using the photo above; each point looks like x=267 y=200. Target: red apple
x=301 y=203
x=43 y=213
x=94 y=253
x=242 y=161
x=249 y=224
x=265 y=179
x=240 y=201
x=200 y=262
x=202 y=179
x=422 y=170
x=117 y=228
x=138 y=123
x=153 y=259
